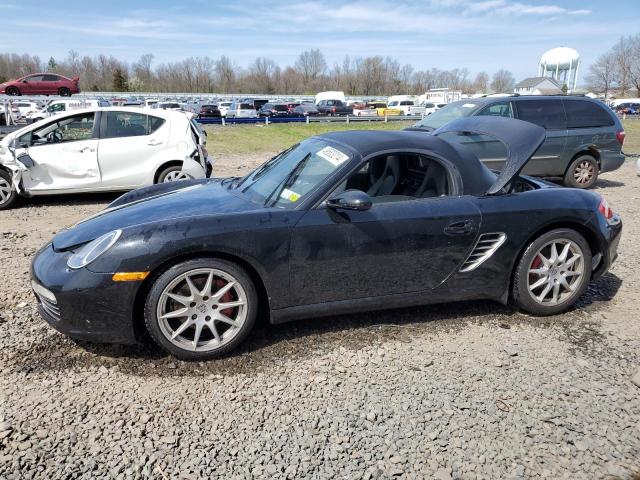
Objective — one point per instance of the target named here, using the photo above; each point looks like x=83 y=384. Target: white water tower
x=561 y=64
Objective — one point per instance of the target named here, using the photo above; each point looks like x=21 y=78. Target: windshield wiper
x=231 y=181
x=289 y=179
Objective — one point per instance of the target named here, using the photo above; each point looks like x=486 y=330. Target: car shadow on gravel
x=270 y=345
x=77 y=199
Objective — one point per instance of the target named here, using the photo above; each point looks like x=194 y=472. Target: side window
x=502 y=109
x=50 y=78
x=400 y=176
x=56 y=107
x=585 y=114
x=546 y=113
x=126 y=124
x=406 y=102
x=34 y=78
x=69 y=129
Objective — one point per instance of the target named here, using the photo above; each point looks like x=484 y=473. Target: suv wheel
x=582 y=173
x=553 y=273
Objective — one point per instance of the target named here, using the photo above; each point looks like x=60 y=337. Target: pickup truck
x=407 y=107
x=334 y=107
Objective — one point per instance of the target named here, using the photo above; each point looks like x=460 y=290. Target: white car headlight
x=93 y=250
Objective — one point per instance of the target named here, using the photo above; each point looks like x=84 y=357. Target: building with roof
x=538 y=86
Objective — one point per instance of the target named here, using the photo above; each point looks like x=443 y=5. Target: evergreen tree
x=52 y=65
x=119 y=81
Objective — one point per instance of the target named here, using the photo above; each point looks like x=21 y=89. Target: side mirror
x=350 y=200
x=26 y=160
x=25 y=81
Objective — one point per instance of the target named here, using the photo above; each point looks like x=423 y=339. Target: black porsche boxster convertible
x=341 y=222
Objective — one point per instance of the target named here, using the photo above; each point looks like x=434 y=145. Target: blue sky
x=479 y=35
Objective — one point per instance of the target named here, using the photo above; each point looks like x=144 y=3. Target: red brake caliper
x=227 y=297
x=537 y=261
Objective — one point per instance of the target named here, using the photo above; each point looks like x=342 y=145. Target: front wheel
x=8 y=194
x=582 y=173
x=13 y=91
x=201 y=309
x=553 y=273
x=172 y=174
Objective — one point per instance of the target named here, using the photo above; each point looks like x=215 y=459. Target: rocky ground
x=471 y=390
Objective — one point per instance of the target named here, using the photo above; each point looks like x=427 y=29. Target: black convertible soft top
x=476 y=177
x=522 y=140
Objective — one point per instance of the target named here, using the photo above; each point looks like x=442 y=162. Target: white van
x=61 y=106
x=331 y=95
x=406 y=103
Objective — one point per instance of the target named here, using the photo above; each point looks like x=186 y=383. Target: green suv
x=584 y=136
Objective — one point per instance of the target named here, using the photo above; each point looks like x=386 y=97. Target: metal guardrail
x=320 y=119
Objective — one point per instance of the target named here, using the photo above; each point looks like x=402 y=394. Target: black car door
x=395 y=247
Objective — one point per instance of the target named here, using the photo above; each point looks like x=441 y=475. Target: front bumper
x=88 y=305
x=610 y=161
x=612 y=234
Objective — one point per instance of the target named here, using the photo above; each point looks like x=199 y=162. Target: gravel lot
x=471 y=390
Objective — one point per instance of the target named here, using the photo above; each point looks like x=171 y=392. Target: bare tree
x=502 y=81
x=481 y=83
x=602 y=74
x=310 y=65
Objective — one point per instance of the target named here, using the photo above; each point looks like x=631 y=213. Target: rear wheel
x=64 y=92
x=553 y=273
x=8 y=194
x=582 y=173
x=201 y=309
x=13 y=91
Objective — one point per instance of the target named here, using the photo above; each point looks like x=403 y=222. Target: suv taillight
x=620 y=136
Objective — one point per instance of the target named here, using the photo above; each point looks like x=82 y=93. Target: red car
x=41 y=84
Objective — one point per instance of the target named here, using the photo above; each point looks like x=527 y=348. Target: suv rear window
x=546 y=113
x=584 y=114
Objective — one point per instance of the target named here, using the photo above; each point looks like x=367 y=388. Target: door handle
x=463 y=227
x=84 y=149
x=154 y=143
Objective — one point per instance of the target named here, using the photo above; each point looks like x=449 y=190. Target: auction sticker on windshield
x=333 y=155
x=290 y=195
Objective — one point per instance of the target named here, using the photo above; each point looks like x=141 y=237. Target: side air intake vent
x=486 y=245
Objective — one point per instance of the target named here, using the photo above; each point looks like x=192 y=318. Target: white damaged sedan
x=101 y=149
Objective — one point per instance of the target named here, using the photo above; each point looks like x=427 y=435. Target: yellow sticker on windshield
x=290 y=195
x=333 y=155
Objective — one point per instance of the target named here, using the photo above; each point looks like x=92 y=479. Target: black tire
x=64 y=92
x=520 y=292
x=7 y=198
x=165 y=280
x=164 y=173
x=13 y=91
x=582 y=172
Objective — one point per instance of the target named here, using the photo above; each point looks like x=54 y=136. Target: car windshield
x=446 y=114
x=287 y=178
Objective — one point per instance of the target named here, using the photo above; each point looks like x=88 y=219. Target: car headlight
x=92 y=250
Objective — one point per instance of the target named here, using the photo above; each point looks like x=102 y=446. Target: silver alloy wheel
x=5 y=190
x=202 y=309
x=555 y=272
x=175 y=176
x=584 y=172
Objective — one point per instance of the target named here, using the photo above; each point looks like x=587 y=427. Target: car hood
x=522 y=140
x=153 y=204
